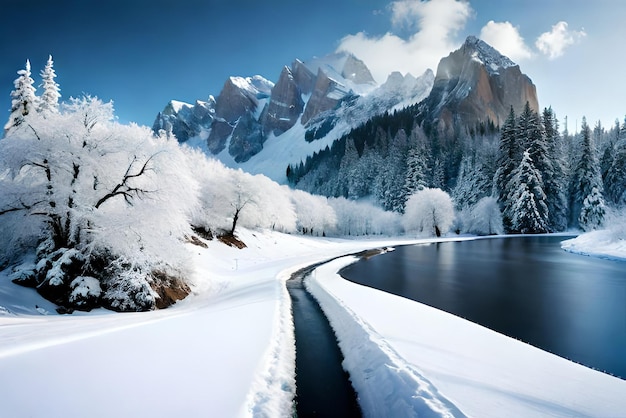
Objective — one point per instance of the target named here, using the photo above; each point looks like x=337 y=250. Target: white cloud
x=506 y=38
x=553 y=43
x=433 y=23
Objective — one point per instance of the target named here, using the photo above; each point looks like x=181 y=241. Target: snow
x=603 y=244
x=228 y=349
x=177 y=105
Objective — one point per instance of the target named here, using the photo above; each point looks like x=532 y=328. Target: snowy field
x=228 y=349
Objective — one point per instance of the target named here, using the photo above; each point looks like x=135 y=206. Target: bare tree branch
x=123 y=188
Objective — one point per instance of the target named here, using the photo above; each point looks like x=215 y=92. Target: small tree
x=23 y=99
x=429 y=211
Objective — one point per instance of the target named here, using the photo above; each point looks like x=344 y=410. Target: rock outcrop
x=285 y=106
x=326 y=95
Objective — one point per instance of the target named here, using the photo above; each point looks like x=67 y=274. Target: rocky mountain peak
x=486 y=54
x=476 y=84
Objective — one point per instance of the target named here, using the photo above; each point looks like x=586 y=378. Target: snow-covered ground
x=603 y=243
x=228 y=350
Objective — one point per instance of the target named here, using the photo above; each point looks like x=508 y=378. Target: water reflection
x=524 y=287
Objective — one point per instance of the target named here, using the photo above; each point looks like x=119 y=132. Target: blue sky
x=142 y=53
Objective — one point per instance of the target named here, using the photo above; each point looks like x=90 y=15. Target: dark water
x=323 y=388
x=525 y=287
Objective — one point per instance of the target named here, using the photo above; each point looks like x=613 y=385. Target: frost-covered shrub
x=128 y=290
x=429 y=212
x=85 y=292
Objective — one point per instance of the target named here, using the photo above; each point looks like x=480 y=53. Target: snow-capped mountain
x=253 y=123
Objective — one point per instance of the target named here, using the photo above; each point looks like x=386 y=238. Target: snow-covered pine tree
x=508 y=160
x=23 y=98
x=473 y=182
x=616 y=174
x=606 y=161
x=49 y=100
x=586 y=174
x=593 y=211
x=527 y=128
x=416 y=173
x=528 y=210
x=389 y=183
x=553 y=172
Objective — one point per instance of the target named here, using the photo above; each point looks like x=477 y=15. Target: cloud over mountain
x=432 y=27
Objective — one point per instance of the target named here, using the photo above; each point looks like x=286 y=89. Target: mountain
x=476 y=84
x=253 y=123
x=397 y=152
x=326 y=127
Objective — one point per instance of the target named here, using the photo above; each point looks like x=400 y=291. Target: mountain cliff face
x=476 y=84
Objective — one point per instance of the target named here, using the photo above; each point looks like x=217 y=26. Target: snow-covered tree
x=508 y=160
x=429 y=211
x=389 y=184
x=49 y=100
x=23 y=98
x=485 y=218
x=586 y=175
x=416 y=177
x=616 y=174
x=528 y=210
x=314 y=213
x=593 y=211
x=100 y=201
x=356 y=218
x=554 y=174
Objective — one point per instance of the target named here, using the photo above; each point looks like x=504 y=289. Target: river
x=525 y=287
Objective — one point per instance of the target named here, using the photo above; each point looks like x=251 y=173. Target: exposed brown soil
x=231 y=241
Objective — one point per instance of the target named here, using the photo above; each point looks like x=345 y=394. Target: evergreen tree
x=615 y=179
x=23 y=99
x=473 y=183
x=593 y=211
x=509 y=152
x=553 y=173
x=607 y=155
x=389 y=184
x=528 y=210
x=586 y=174
x=416 y=172
x=49 y=100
